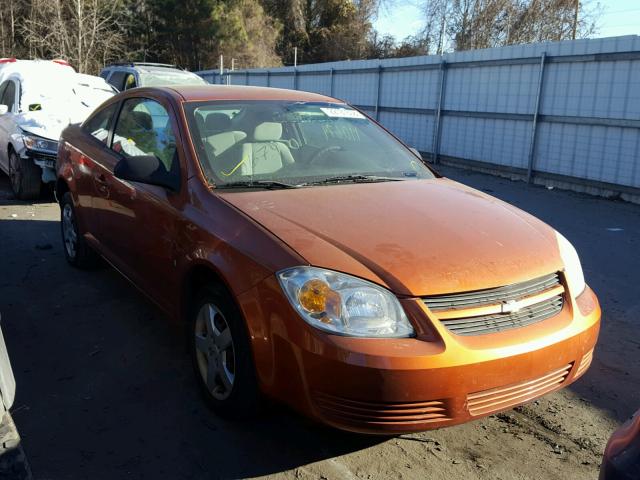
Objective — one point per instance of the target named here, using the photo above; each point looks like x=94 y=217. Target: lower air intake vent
x=380 y=413
x=500 y=398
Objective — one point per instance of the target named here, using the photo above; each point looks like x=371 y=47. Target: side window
x=104 y=74
x=130 y=82
x=144 y=129
x=9 y=95
x=98 y=125
x=117 y=79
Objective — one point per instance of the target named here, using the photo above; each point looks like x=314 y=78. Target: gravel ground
x=105 y=387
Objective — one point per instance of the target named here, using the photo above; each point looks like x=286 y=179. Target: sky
x=619 y=17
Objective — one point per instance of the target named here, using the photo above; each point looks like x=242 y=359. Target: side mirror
x=415 y=152
x=146 y=169
x=3 y=109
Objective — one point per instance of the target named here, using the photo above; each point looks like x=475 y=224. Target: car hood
x=50 y=125
x=417 y=237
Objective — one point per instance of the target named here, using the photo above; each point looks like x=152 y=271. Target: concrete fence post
x=534 y=123
x=331 y=82
x=435 y=143
x=377 y=111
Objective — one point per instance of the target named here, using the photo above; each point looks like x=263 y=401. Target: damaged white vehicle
x=38 y=99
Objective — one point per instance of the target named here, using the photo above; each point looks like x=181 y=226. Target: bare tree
x=11 y=42
x=473 y=24
x=84 y=32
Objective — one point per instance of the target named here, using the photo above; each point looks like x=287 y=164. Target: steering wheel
x=293 y=143
x=323 y=152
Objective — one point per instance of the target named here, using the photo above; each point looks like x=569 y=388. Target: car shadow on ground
x=7 y=196
x=105 y=387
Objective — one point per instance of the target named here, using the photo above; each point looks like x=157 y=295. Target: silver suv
x=124 y=76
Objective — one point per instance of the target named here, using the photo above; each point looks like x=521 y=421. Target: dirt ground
x=105 y=388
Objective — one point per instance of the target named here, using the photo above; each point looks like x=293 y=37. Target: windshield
x=169 y=77
x=295 y=143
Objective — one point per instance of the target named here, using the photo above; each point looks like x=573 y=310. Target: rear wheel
x=76 y=250
x=25 y=177
x=221 y=355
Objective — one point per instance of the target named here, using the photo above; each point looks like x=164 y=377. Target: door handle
x=102 y=184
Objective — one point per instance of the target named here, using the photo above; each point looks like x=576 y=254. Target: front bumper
x=393 y=386
x=46 y=161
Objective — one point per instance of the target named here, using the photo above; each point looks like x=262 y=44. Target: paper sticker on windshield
x=341 y=113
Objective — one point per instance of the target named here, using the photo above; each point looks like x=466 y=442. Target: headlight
x=344 y=305
x=33 y=142
x=572 y=267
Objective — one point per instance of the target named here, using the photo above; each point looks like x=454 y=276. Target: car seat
x=266 y=153
x=218 y=134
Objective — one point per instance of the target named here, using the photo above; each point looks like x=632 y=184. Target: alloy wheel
x=69 y=233
x=214 y=351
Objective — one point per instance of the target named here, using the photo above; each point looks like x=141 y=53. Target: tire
x=25 y=177
x=76 y=250
x=222 y=361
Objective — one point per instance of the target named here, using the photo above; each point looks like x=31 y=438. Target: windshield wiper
x=266 y=184
x=354 y=179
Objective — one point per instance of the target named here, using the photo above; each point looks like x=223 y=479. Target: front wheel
x=25 y=177
x=221 y=355
x=76 y=250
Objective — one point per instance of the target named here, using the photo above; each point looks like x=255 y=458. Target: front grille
x=356 y=411
x=498 y=309
x=487 y=401
x=492 y=295
x=499 y=322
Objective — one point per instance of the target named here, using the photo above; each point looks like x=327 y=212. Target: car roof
x=194 y=93
x=147 y=68
x=33 y=67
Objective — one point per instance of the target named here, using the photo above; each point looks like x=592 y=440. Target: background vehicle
x=317 y=260
x=124 y=76
x=13 y=463
x=38 y=98
x=622 y=455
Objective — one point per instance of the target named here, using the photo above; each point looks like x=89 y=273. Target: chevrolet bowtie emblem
x=511 y=306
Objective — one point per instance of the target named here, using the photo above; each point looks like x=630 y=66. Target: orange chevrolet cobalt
x=316 y=260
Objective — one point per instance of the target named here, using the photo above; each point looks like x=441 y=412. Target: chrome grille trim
x=492 y=295
x=499 y=322
x=492 y=310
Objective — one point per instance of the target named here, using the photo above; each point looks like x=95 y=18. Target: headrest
x=267 y=132
x=199 y=121
x=217 y=122
x=142 y=120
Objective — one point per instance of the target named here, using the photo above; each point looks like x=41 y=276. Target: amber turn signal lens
x=313 y=296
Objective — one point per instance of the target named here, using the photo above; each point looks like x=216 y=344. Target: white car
x=38 y=99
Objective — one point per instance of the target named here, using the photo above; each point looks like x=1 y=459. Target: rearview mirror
x=3 y=109
x=146 y=169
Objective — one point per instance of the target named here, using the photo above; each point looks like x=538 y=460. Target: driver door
x=139 y=221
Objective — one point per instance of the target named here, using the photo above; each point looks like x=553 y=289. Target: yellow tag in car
x=34 y=107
